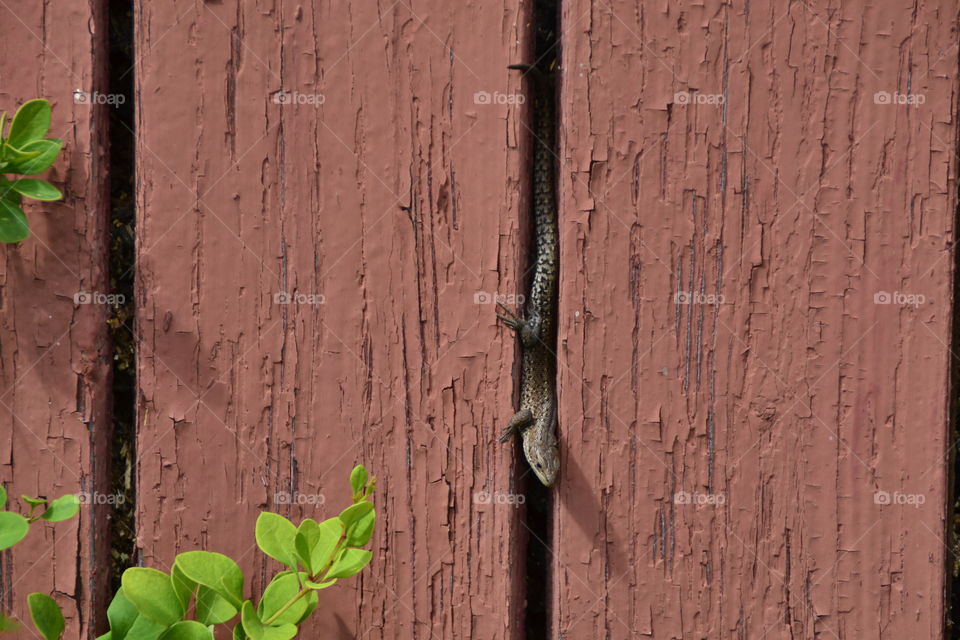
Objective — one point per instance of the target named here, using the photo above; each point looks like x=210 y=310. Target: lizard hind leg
x=520 y=421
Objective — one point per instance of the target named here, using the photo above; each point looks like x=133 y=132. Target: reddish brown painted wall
x=797 y=398
x=54 y=363
x=396 y=200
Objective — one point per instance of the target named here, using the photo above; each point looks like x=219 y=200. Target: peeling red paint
x=795 y=398
x=395 y=197
x=746 y=427
x=54 y=361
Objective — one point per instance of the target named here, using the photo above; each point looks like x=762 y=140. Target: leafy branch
x=15 y=527
x=153 y=605
x=25 y=150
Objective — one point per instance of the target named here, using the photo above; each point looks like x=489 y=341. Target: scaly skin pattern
x=536 y=421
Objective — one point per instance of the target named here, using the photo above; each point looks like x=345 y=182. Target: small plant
x=25 y=150
x=154 y=605
x=15 y=527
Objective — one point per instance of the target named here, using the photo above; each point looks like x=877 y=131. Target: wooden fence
x=757 y=215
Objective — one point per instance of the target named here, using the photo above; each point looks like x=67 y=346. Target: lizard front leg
x=521 y=420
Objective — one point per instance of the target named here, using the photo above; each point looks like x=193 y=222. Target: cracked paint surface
x=54 y=356
x=735 y=402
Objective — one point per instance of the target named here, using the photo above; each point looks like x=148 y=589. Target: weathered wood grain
x=332 y=153
x=54 y=356
x=719 y=333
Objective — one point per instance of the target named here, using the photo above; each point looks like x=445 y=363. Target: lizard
x=536 y=421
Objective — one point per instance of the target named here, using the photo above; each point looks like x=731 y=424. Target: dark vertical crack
x=121 y=268
x=952 y=534
x=952 y=556
x=538 y=514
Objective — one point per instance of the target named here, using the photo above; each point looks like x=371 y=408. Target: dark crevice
x=121 y=269
x=952 y=556
x=951 y=611
x=538 y=514
x=538 y=575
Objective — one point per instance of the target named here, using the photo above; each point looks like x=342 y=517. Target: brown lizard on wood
x=536 y=421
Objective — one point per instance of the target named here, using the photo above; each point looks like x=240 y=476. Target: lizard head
x=544 y=459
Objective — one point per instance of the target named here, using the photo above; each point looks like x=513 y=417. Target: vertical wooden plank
x=54 y=356
x=325 y=211
x=757 y=225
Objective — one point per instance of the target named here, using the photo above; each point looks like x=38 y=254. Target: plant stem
x=304 y=591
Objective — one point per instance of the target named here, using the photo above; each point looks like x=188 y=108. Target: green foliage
x=153 y=605
x=46 y=615
x=275 y=537
x=14 y=527
x=25 y=151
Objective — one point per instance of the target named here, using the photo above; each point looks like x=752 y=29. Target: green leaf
x=238 y=632
x=13 y=223
x=152 y=593
x=316 y=542
x=276 y=537
x=14 y=156
x=256 y=629
x=349 y=562
x=354 y=512
x=37 y=189
x=187 y=630
x=122 y=614
x=3 y=497
x=358 y=480
x=212 y=608
x=216 y=571
x=47 y=151
x=8 y=624
x=7 y=193
x=107 y=636
x=46 y=615
x=33 y=502
x=312 y=601
x=360 y=531
x=145 y=629
x=317 y=586
x=182 y=586
x=31 y=122
x=13 y=529
x=63 y=508
x=281 y=590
